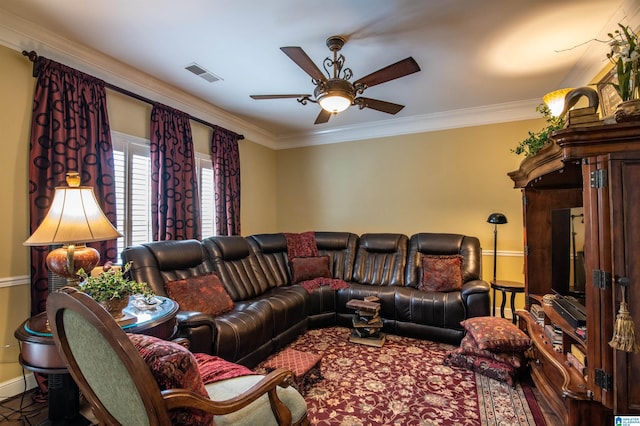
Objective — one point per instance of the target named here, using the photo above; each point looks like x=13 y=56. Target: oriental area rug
x=405 y=383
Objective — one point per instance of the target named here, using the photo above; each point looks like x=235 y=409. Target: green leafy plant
x=625 y=54
x=112 y=284
x=538 y=140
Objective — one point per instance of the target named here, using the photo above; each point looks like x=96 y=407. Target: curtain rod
x=33 y=57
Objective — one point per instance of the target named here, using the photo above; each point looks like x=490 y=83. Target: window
x=132 y=170
x=207 y=195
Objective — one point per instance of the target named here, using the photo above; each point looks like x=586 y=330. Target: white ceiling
x=473 y=54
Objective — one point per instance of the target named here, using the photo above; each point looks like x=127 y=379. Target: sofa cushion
x=301 y=245
x=259 y=412
x=381 y=259
x=440 y=244
x=308 y=268
x=441 y=273
x=204 y=293
x=173 y=367
x=496 y=334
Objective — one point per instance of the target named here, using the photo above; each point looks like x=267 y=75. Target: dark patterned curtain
x=226 y=175
x=69 y=132
x=175 y=204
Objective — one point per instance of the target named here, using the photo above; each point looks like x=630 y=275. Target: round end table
x=38 y=352
x=505 y=287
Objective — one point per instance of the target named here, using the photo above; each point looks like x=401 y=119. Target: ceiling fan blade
x=399 y=69
x=258 y=97
x=323 y=117
x=297 y=55
x=384 y=106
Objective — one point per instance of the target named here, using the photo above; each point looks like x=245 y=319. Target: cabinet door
x=597 y=258
x=624 y=187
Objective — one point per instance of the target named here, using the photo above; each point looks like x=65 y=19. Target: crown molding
x=19 y=34
x=477 y=116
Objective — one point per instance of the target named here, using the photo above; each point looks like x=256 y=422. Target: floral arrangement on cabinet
x=625 y=55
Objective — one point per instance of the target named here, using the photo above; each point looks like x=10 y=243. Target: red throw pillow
x=486 y=366
x=441 y=273
x=468 y=346
x=213 y=368
x=496 y=334
x=301 y=245
x=308 y=268
x=173 y=367
x=204 y=293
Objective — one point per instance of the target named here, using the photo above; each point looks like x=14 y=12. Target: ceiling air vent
x=202 y=73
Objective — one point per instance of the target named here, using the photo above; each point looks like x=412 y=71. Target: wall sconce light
x=74 y=218
x=555 y=100
x=496 y=219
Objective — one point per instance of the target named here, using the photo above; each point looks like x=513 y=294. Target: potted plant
x=536 y=141
x=112 y=288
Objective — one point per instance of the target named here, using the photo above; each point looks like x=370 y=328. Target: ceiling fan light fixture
x=335 y=95
x=334 y=103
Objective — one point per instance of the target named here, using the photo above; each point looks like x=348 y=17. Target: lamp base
x=67 y=260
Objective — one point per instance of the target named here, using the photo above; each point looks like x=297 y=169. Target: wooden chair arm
x=182 y=398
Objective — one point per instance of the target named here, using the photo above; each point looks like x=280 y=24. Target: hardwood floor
x=549 y=416
x=25 y=410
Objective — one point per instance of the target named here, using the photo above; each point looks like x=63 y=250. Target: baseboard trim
x=16 y=386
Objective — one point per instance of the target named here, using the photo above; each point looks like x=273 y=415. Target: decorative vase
x=115 y=306
x=628 y=111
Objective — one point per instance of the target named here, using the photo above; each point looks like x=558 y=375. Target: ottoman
x=305 y=367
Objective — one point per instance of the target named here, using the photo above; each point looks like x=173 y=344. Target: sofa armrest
x=475 y=295
x=199 y=328
x=475 y=286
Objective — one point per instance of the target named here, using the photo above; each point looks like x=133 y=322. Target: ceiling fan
x=335 y=93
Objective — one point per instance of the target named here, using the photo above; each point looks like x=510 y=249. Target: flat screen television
x=568 y=274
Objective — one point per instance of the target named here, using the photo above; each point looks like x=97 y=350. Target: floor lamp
x=496 y=219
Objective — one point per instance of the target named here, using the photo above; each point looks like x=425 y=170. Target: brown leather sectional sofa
x=269 y=311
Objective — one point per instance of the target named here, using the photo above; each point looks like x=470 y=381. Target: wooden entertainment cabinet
x=597 y=168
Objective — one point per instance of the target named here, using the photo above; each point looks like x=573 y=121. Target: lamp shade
x=497 y=218
x=74 y=216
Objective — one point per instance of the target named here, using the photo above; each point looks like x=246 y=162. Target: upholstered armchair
x=123 y=389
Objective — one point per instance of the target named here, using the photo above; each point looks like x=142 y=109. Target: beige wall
x=16 y=84
x=447 y=181
x=126 y=115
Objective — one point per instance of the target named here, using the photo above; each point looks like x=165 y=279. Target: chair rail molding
x=15 y=281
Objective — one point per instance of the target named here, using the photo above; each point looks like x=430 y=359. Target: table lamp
x=74 y=218
x=496 y=219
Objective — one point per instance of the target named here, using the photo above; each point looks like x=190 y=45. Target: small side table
x=505 y=287
x=38 y=353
